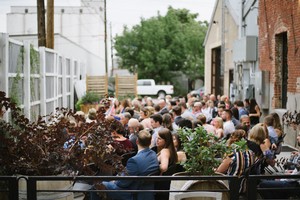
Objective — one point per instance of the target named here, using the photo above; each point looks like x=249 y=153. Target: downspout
x=241 y=20
x=222 y=68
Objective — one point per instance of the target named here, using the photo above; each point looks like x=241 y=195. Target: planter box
x=197 y=185
x=86 y=107
x=48 y=185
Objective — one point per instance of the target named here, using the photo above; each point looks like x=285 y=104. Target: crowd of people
x=149 y=128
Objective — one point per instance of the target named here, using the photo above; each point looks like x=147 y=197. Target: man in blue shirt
x=142 y=164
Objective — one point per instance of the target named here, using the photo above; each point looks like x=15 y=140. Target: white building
x=79 y=31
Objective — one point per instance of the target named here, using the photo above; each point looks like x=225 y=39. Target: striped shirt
x=241 y=160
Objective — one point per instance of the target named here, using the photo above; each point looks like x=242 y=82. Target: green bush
x=203 y=150
x=88 y=98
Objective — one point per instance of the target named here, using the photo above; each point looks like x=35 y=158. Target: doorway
x=217 y=79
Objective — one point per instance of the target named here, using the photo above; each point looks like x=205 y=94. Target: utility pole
x=111 y=51
x=105 y=38
x=50 y=24
x=41 y=23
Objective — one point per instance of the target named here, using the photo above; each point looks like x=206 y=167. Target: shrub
x=36 y=148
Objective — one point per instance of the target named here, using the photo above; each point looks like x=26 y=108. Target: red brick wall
x=275 y=17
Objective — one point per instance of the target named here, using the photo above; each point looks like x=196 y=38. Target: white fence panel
x=39 y=80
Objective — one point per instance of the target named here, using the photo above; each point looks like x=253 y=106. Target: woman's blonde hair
x=219 y=120
x=258 y=133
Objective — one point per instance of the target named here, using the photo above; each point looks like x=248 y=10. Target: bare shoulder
x=165 y=151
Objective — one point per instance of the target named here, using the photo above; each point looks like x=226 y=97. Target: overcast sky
x=129 y=12
x=123 y=12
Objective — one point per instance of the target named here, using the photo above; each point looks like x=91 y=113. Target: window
x=144 y=83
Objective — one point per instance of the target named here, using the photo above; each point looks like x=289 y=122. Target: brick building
x=279 y=43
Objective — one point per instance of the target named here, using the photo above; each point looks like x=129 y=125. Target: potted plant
x=204 y=154
x=203 y=149
x=37 y=148
x=87 y=101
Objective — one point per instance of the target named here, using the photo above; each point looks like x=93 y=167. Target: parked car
x=198 y=92
x=148 y=87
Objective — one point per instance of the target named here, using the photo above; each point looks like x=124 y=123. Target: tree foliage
x=164 y=44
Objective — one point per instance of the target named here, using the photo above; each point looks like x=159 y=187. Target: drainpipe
x=241 y=19
x=223 y=40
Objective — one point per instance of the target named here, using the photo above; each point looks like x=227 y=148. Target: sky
x=123 y=12
x=130 y=12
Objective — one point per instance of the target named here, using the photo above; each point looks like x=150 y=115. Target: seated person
x=142 y=164
x=269 y=121
x=167 y=157
x=166 y=154
x=121 y=143
x=282 y=183
x=209 y=128
x=237 y=162
x=134 y=128
x=260 y=144
x=71 y=135
x=180 y=153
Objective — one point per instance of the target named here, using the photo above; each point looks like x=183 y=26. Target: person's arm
x=257 y=114
x=220 y=133
x=265 y=148
x=131 y=170
x=266 y=145
x=164 y=160
x=223 y=167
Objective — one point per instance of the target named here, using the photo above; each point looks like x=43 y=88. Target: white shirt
x=188 y=115
x=208 y=113
x=228 y=128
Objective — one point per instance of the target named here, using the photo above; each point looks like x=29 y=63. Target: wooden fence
x=97 y=85
x=126 y=86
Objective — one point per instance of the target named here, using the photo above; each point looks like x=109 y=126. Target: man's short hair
x=243 y=117
x=185 y=123
x=181 y=104
x=240 y=104
x=127 y=115
x=130 y=111
x=229 y=112
x=157 y=118
x=173 y=103
x=156 y=107
x=269 y=120
x=133 y=123
x=144 y=138
x=197 y=103
x=177 y=110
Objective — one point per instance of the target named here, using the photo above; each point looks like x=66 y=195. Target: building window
x=281 y=70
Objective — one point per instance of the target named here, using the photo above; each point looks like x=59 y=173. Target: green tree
x=164 y=44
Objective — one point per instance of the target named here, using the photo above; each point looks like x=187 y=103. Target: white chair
x=216 y=195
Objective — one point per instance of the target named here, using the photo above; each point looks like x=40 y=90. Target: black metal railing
x=254 y=179
x=11 y=189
